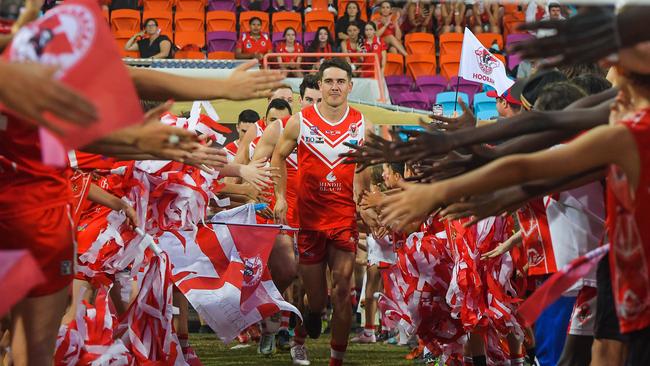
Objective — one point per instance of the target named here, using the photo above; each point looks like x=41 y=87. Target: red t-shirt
x=390 y=30
x=248 y=44
x=376 y=46
x=282 y=48
x=26 y=184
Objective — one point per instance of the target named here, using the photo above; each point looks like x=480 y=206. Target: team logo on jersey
x=331 y=177
x=584 y=313
x=248 y=44
x=486 y=62
x=313 y=139
x=252 y=271
x=354 y=131
x=331 y=184
x=313 y=130
x=333 y=132
x=62 y=38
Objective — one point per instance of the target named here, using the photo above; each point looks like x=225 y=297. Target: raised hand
x=243 y=84
x=258 y=173
x=421 y=145
x=465 y=120
x=414 y=203
x=584 y=38
x=503 y=201
x=375 y=150
x=450 y=166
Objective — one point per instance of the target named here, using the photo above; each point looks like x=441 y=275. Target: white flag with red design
x=223 y=271
x=479 y=65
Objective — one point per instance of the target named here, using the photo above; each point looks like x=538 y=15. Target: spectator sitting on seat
x=554 y=13
x=354 y=44
x=290 y=45
x=486 y=16
x=151 y=43
x=323 y=43
x=254 y=44
x=388 y=29
x=286 y=4
x=352 y=15
x=330 y=7
x=374 y=44
x=419 y=17
x=453 y=16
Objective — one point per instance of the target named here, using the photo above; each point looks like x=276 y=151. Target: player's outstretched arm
x=286 y=144
x=266 y=144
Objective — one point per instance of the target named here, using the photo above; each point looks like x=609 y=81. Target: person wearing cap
x=507 y=104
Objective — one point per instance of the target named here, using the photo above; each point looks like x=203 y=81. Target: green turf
x=212 y=353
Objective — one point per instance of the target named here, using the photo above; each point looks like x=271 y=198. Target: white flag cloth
x=479 y=65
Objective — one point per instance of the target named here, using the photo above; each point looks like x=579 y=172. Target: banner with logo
x=479 y=65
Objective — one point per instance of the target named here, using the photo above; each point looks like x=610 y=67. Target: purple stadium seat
x=225 y=5
x=308 y=37
x=398 y=84
x=413 y=100
x=431 y=85
x=513 y=59
x=464 y=86
x=245 y=4
x=221 y=41
x=275 y=5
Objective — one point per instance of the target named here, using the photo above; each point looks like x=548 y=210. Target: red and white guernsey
x=292 y=182
x=628 y=224
x=231 y=150
x=325 y=199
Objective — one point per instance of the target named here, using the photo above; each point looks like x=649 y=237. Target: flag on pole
x=479 y=65
x=223 y=271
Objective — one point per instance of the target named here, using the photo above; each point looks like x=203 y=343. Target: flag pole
x=456 y=97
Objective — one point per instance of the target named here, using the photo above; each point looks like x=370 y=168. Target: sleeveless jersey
x=292 y=181
x=325 y=198
x=628 y=224
x=231 y=150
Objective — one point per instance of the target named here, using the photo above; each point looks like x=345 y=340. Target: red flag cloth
x=75 y=39
x=553 y=288
x=19 y=273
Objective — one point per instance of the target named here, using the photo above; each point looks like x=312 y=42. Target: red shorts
x=49 y=236
x=312 y=244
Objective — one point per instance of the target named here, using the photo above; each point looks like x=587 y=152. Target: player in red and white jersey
x=326 y=199
x=245 y=121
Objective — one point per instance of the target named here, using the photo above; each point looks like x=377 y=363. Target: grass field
x=212 y=353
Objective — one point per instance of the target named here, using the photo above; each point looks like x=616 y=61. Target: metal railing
x=366 y=65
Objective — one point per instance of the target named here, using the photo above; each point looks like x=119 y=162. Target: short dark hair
x=591 y=83
x=398 y=168
x=309 y=81
x=279 y=104
x=338 y=63
x=248 y=116
x=150 y=20
x=554 y=5
x=558 y=95
x=251 y=20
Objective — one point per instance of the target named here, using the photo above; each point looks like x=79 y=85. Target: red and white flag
x=75 y=39
x=479 y=65
x=223 y=271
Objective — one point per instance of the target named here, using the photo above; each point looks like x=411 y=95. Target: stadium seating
x=158 y=5
x=464 y=86
x=245 y=17
x=219 y=20
x=448 y=100
x=449 y=64
x=121 y=38
x=193 y=40
x=512 y=21
x=221 y=41
x=189 y=21
x=394 y=63
x=420 y=43
x=223 y=5
x=192 y=55
x=125 y=20
x=487 y=39
x=513 y=58
x=416 y=100
x=317 y=4
x=431 y=85
x=286 y=19
x=221 y=55
x=190 y=5
x=420 y=65
x=264 y=6
x=487 y=114
x=451 y=43
x=164 y=19
x=308 y=37
x=342 y=5
x=398 y=84
x=483 y=103
x=319 y=18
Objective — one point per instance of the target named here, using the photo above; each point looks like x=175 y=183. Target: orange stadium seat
x=343 y=4
x=451 y=43
x=189 y=21
x=125 y=20
x=189 y=39
x=420 y=43
x=164 y=19
x=421 y=65
x=286 y=19
x=317 y=19
x=158 y=5
x=512 y=21
x=394 y=64
x=219 y=20
x=121 y=38
x=487 y=39
x=317 y=4
x=221 y=55
x=192 y=55
x=449 y=64
x=245 y=16
x=190 y=5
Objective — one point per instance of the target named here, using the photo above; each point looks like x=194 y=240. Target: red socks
x=337 y=353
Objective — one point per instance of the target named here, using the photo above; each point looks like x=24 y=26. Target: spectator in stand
x=453 y=16
x=323 y=43
x=254 y=44
x=287 y=5
x=330 y=7
x=352 y=15
x=419 y=17
x=374 y=44
x=388 y=29
x=290 y=45
x=486 y=16
x=554 y=13
x=353 y=44
x=150 y=43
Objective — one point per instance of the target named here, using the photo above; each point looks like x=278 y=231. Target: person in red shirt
x=353 y=44
x=323 y=43
x=374 y=44
x=326 y=202
x=246 y=120
x=389 y=30
x=290 y=45
x=254 y=44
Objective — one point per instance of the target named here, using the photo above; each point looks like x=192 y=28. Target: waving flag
x=223 y=271
x=479 y=65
